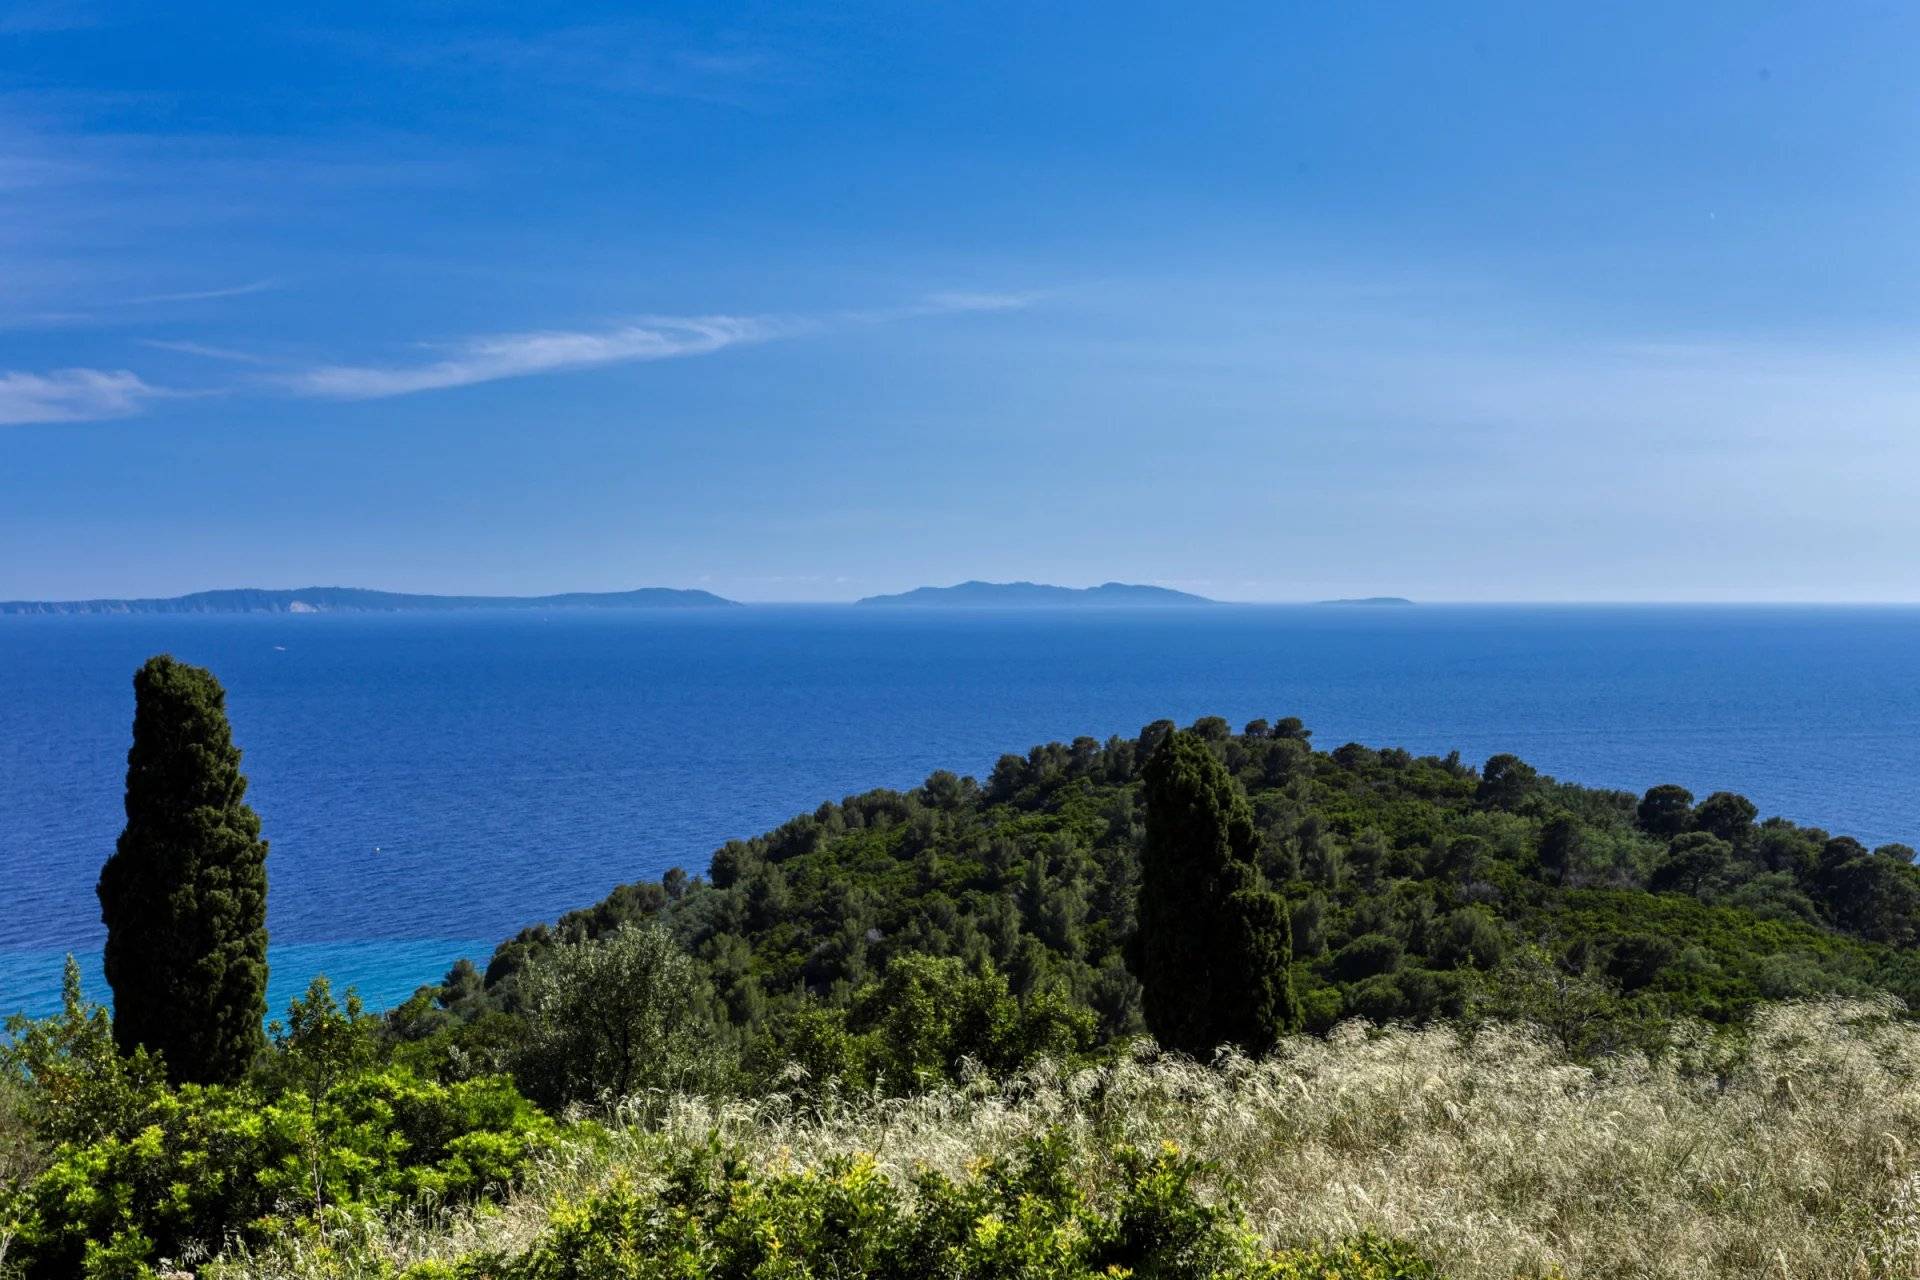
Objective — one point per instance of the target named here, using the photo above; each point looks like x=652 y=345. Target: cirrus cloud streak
x=91 y=395
x=72 y=395
x=514 y=355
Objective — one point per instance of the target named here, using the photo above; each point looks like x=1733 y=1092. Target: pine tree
x=184 y=896
x=1214 y=945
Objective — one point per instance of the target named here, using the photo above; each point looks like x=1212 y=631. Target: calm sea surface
x=431 y=784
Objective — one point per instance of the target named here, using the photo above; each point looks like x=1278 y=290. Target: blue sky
x=1269 y=301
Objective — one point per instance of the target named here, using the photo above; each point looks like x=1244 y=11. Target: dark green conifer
x=184 y=896
x=1666 y=810
x=1214 y=945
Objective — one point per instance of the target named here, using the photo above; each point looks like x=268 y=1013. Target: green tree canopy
x=184 y=896
x=612 y=1018
x=1666 y=810
x=1726 y=815
x=1694 y=860
x=1505 y=780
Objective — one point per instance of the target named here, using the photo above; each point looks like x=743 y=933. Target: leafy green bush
x=68 y=1081
x=133 y=1171
x=205 y=1164
x=1365 y=1257
x=1026 y=1216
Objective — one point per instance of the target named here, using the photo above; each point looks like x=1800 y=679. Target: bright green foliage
x=1214 y=945
x=1031 y=1216
x=184 y=895
x=132 y=1171
x=320 y=1045
x=612 y=1018
x=322 y=1042
x=202 y=1164
x=1365 y=1257
x=73 y=1082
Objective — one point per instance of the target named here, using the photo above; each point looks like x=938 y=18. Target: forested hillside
x=905 y=1035
x=1419 y=888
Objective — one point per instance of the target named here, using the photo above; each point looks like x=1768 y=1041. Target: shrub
x=930 y=1014
x=1368 y=955
x=1025 y=1215
x=1364 y=1257
x=68 y=1081
x=201 y=1166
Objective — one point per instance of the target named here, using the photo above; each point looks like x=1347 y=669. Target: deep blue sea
x=431 y=784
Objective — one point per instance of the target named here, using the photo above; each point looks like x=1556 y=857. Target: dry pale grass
x=1798 y=1159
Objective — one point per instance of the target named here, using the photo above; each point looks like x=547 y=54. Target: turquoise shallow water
x=510 y=766
x=384 y=973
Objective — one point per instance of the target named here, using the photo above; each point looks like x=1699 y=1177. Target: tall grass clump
x=1793 y=1153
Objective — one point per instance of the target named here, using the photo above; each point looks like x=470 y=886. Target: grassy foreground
x=1794 y=1154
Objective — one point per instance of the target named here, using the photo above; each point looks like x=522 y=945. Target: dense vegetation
x=999 y=950
x=1395 y=1154
x=714 y=1211
x=109 y=1169
x=1418 y=888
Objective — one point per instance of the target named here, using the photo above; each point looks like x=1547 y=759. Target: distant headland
x=1023 y=595
x=360 y=600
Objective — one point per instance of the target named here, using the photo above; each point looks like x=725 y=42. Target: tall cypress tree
x=1214 y=944
x=184 y=895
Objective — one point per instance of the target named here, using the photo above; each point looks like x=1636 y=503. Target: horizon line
x=1358 y=600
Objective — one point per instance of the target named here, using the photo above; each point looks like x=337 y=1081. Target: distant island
x=360 y=600
x=965 y=595
x=1028 y=595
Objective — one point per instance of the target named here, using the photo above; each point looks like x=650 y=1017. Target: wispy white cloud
x=201 y=349
x=72 y=395
x=203 y=295
x=87 y=395
x=515 y=355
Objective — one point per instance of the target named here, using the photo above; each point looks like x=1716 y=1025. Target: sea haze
x=509 y=766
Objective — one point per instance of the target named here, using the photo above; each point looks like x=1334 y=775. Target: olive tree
x=612 y=1018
